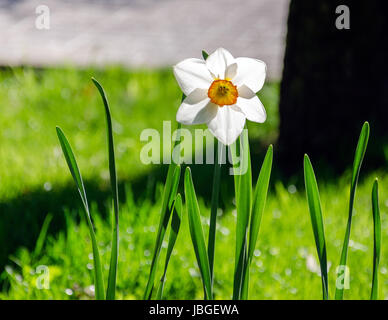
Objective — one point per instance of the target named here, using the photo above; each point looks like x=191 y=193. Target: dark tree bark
x=333 y=81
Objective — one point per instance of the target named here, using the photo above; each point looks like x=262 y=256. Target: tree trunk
x=333 y=81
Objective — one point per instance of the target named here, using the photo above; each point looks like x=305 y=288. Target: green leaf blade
x=243 y=191
x=376 y=240
x=111 y=289
x=196 y=233
x=170 y=190
x=259 y=200
x=73 y=166
x=358 y=159
x=314 y=204
x=42 y=236
x=175 y=226
x=169 y=194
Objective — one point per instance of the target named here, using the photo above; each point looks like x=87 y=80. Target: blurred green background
x=36 y=186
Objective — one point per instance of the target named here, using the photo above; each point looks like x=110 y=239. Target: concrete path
x=137 y=33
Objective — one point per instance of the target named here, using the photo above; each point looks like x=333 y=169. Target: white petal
x=227 y=125
x=218 y=61
x=231 y=71
x=250 y=72
x=245 y=92
x=192 y=74
x=196 y=108
x=252 y=108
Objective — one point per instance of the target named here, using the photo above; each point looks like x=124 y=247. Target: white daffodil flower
x=221 y=92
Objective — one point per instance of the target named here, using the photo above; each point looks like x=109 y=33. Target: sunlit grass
x=284 y=264
x=33 y=102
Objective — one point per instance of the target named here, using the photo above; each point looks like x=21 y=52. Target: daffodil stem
x=214 y=208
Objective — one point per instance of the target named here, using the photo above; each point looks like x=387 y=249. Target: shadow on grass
x=22 y=217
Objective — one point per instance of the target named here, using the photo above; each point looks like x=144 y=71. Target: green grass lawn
x=35 y=182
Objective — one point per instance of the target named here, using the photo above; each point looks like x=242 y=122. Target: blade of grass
x=376 y=240
x=196 y=233
x=175 y=225
x=243 y=189
x=259 y=200
x=314 y=204
x=42 y=236
x=72 y=163
x=170 y=190
x=111 y=289
x=358 y=158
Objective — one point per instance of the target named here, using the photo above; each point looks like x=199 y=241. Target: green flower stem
x=214 y=208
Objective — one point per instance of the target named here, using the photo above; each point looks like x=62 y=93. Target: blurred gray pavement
x=142 y=33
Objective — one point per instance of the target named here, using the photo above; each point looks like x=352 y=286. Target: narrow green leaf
x=110 y=293
x=170 y=190
x=243 y=190
x=196 y=232
x=314 y=204
x=204 y=54
x=214 y=207
x=169 y=193
x=259 y=200
x=72 y=163
x=175 y=225
x=42 y=236
x=376 y=240
x=358 y=158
